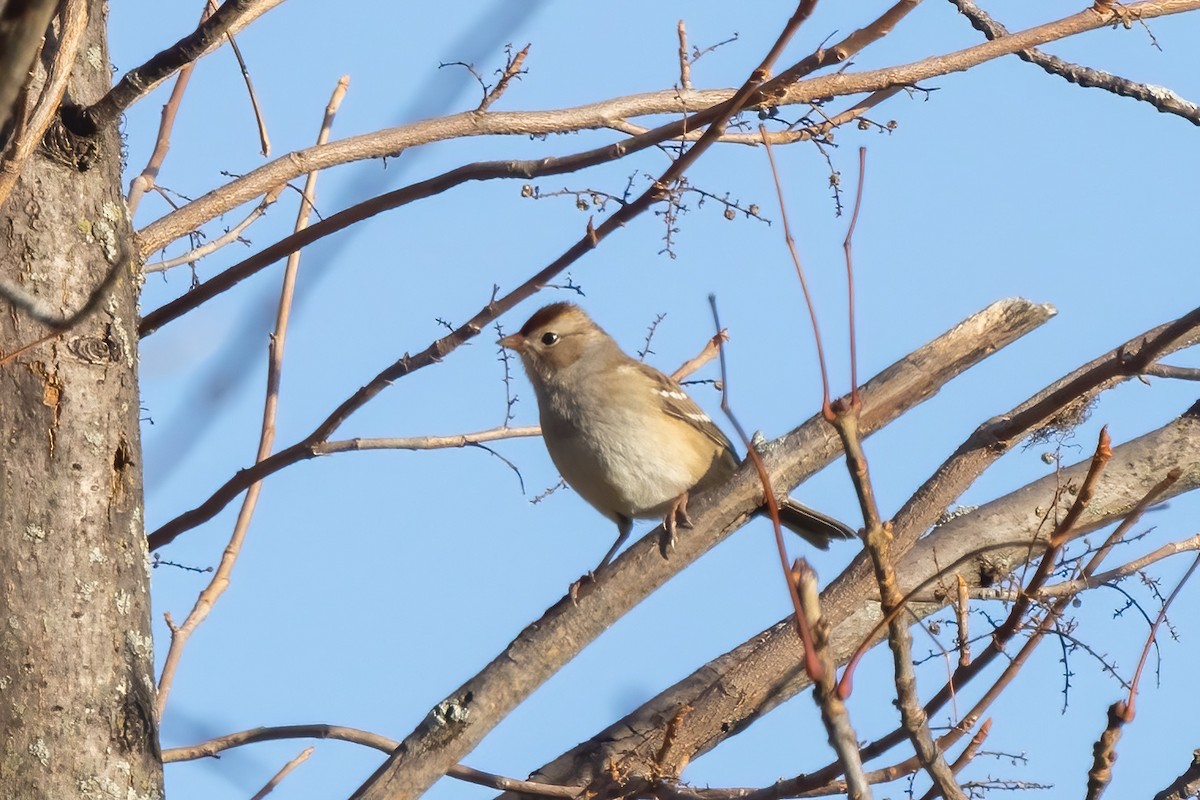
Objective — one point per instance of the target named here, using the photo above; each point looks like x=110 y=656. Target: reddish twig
x=847 y=247
x=791 y=245
x=812 y=664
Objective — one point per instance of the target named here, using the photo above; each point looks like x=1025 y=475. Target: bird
x=626 y=437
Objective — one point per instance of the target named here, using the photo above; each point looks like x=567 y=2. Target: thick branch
x=566 y=628
x=729 y=693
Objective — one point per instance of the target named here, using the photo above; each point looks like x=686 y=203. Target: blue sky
x=373 y=584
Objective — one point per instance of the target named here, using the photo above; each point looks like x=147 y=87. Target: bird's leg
x=677 y=517
x=624 y=526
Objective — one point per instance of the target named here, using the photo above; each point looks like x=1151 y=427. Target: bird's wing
x=677 y=403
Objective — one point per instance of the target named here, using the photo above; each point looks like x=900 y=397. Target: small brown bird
x=625 y=436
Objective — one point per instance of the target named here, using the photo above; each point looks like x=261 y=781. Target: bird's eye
x=550 y=338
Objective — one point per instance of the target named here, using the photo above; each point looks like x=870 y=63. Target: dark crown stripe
x=545 y=315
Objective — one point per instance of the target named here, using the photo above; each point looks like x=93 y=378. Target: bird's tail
x=817 y=529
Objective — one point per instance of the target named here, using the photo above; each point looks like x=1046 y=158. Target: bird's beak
x=514 y=341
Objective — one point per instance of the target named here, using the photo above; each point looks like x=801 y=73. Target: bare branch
x=283 y=773
x=911 y=74
x=149 y=174
x=711 y=349
x=426 y=442
x=1186 y=785
x=511 y=70
x=262 y=469
x=641 y=569
x=355 y=736
x=732 y=691
x=833 y=707
x=231 y=17
x=786 y=88
x=1160 y=97
x=439 y=349
x=484 y=170
x=1120 y=713
x=1169 y=371
x=229 y=237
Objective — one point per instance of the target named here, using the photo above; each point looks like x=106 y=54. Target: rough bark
x=730 y=693
x=76 y=688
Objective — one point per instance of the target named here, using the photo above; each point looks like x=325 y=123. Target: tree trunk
x=76 y=662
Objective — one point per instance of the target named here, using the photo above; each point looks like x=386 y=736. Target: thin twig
x=512 y=69
x=791 y=245
x=1009 y=627
x=685 y=64
x=356 y=736
x=814 y=131
x=962 y=612
x=783 y=89
x=812 y=664
x=221 y=578
x=162 y=142
x=283 y=773
x=848 y=249
x=965 y=756
x=1122 y=712
x=712 y=105
x=439 y=349
x=229 y=237
x=264 y=141
x=844 y=416
x=711 y=350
